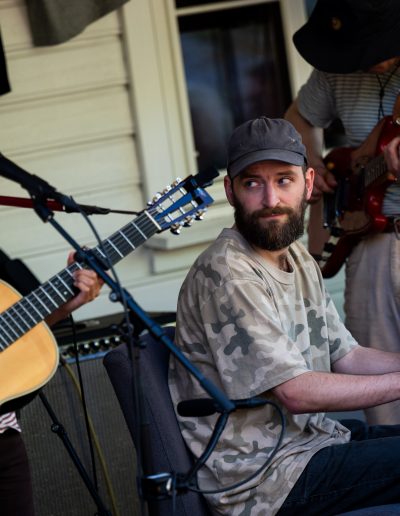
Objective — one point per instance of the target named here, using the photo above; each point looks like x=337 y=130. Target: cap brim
x=294 y=158
x=328 y=55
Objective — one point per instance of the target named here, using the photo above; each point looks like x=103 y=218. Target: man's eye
x=251 y=184
x=284 y=180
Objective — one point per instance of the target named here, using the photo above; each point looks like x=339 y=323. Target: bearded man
x=255 y=318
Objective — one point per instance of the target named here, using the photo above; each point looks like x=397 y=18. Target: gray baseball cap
x=264 y=139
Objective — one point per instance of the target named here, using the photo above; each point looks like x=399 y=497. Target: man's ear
x=228 y=184
x=309 y=177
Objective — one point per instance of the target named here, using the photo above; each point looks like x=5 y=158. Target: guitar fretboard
x=374 y=169
x=36 y=306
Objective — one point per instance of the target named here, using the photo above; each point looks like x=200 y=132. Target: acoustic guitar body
x=28 y=363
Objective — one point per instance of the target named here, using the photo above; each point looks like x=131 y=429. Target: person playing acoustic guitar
x=354 y=48
x=16 y=497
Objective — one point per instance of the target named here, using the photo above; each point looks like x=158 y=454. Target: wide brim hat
x=344 y=36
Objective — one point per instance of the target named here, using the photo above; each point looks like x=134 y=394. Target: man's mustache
x=267 y=212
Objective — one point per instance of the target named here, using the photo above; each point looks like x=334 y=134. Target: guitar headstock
x=182 y=202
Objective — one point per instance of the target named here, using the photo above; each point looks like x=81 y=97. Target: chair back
x=165 y=450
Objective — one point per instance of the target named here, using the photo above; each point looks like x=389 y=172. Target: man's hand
x=324 y=182
x=88 y=284
x=392 y=156
x=313 y=139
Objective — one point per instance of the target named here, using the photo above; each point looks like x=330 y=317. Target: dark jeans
x=362 y=473
x=15 y=481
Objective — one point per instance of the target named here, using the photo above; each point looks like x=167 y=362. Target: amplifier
x=95 y=337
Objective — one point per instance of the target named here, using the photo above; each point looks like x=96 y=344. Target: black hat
x=343 y=36
x=264 y=139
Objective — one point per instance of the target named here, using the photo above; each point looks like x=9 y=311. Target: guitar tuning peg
x=156 y=197
x=200 y=215
x=177 y=181
x=166 y=189
x=188 y=221
x=176 y=229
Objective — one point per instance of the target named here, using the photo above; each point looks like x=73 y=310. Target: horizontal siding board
x=80 y=169
x=146 y=294
x=66 y=120
x=176 y=260
x=42 y=74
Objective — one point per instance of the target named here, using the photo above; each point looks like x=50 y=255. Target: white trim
x=293 y=17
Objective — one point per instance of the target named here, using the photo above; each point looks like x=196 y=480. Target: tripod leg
x=59 y=429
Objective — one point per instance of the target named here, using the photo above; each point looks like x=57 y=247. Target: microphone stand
x=153 y=485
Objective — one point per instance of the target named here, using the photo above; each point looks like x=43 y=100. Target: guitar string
x=132 y=225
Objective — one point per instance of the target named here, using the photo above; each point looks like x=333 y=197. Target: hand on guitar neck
x=87 y=285
x=377 y=143
x=325 y=181
x=392 y=155
x=354 y=209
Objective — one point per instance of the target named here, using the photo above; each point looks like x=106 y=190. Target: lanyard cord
x=381 y=111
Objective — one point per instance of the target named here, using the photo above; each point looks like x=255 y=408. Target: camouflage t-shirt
x=249 y=327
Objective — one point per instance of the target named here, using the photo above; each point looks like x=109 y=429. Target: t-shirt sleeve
x=250 y=349
x=315 y=100
x=340 y=339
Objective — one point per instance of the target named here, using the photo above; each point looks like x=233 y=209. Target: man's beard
x=271 y=235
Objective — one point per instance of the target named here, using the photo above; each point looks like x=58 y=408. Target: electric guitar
x=354 y=210
x=28 y=351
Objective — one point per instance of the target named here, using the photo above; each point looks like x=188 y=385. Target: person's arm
x=392 y=155
x=313 y=139
x=88 y=284
x=331 y=392
x=363 y=378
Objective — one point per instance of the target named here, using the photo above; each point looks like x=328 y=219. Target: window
x=236 y=69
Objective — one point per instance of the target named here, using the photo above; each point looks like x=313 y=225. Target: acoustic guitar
x=28 y=351
x=354 y=210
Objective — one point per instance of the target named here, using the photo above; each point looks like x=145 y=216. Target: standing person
x=354 y=47
x=253 y=315
x=16 y=497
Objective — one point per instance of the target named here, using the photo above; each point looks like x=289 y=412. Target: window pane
x=236 y=69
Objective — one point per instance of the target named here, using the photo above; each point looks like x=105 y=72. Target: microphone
x=207 y=406
x=35 y=185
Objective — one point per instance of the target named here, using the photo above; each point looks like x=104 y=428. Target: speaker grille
x=58 y=488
